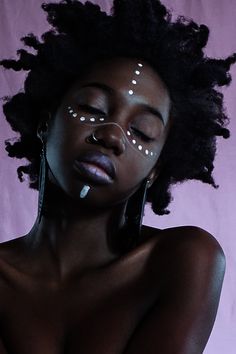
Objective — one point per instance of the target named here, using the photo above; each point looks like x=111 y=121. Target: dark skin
x=65 y=286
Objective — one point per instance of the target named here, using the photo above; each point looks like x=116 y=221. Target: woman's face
x=125 y=104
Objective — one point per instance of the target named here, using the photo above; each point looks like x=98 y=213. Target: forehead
x=118 y=73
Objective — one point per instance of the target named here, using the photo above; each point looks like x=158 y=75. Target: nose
x=111 y=136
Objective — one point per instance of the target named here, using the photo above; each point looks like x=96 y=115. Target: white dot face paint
x=129 y=134
x=133 y=141
x=134 y=81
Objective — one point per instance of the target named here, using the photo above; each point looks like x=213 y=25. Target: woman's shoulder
x=189 y=249
x=175 y=238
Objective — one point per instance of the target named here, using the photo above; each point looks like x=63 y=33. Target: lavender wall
x=194 y=203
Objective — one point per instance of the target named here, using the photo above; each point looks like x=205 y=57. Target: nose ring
x=94 y=138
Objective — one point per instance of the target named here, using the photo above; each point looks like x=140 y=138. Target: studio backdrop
x=194 y=203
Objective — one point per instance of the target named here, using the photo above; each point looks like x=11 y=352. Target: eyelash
x=142 y=135
x=93 y=110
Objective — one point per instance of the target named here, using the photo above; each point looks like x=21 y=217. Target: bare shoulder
x=187 y=239
x=11 y=256
x=187 y=266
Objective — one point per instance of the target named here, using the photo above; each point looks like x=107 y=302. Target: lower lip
x=92 y=172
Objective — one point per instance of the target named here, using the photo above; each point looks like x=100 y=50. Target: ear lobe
x=42 y=128
x=153 y=175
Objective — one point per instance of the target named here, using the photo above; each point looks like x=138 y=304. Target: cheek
x=63 y=146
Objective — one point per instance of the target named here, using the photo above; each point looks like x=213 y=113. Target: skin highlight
x=64 y=281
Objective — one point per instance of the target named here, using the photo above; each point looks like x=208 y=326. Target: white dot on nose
x=140 y=147
x=131 y=92
x=137 y=72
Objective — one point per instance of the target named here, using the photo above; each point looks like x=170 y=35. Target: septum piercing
x=94 y=137
x=92 y=119
x=84 y=191
x=133 y=142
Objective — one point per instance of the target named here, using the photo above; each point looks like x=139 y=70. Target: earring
x=42 y=179
x=134 y=214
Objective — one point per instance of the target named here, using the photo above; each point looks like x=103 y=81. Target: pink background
x=194 y=203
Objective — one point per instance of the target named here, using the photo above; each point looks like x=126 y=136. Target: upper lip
x=99 y=159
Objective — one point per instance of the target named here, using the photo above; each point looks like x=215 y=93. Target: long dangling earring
x=42 y=180
x=135 y=212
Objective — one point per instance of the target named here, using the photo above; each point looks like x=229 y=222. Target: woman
x=115 y=110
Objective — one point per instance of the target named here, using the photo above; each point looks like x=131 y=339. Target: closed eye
x=91 y=109
x=142 y=135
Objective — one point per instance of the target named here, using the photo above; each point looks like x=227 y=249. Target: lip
x=96 y=166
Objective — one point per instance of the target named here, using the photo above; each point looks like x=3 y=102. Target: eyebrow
x=109 y=90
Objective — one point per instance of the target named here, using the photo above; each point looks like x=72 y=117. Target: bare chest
x=94 y=315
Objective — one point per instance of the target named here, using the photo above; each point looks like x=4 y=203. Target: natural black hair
x=82 y=34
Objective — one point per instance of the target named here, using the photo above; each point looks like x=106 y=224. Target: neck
x=70 y=237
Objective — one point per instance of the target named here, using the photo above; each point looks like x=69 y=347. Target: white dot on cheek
x=131 y=92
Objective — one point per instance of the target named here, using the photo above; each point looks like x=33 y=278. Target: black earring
x=42 y=171
x=42 y=182
x=135 y=212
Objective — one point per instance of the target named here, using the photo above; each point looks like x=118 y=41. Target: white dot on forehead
x=131 y=92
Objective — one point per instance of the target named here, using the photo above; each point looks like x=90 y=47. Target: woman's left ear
x=153 y=175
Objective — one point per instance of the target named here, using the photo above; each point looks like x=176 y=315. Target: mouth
x=96 y=167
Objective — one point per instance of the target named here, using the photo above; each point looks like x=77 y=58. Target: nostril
x=110 y=137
